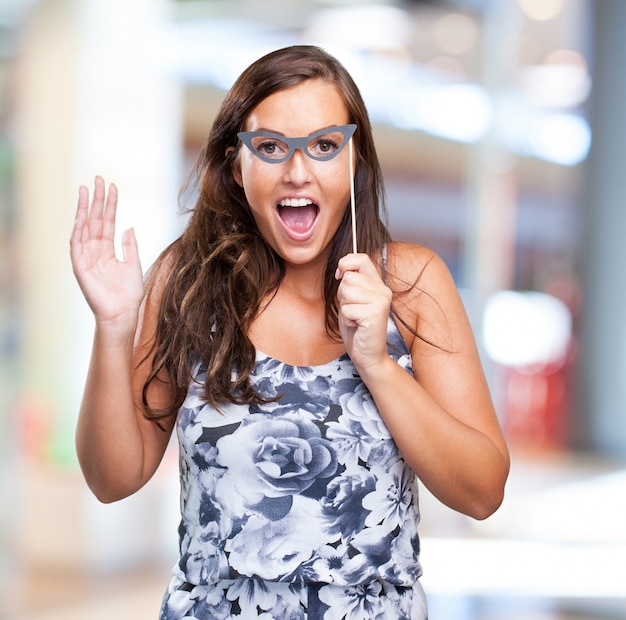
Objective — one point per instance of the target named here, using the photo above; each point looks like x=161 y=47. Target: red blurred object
x=536 y=405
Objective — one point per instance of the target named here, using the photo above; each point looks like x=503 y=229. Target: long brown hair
x=220 y=269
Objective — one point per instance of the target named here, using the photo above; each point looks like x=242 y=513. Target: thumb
x=130 y=250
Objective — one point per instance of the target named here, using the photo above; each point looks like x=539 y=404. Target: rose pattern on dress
x=307 y=491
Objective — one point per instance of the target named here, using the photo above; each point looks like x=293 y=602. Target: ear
x=236 y=170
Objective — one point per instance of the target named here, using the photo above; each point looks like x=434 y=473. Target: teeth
x=295 y=202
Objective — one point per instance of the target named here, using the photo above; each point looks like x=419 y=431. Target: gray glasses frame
x=297 y=143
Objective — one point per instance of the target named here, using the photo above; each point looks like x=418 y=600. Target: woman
x=309 y=385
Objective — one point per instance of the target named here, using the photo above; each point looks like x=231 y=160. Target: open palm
x=113 y=288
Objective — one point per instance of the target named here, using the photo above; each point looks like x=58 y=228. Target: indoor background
x=500 y=128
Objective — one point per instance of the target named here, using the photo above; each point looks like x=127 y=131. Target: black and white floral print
x=300 y=508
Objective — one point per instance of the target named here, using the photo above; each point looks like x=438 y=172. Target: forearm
x=109 y=440
x=461 y=465
x=118 y=448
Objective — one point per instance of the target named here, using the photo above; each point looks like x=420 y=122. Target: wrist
x=378 y=371
x=119 y=331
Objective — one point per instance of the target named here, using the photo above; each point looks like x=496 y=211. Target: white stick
x=352 y=202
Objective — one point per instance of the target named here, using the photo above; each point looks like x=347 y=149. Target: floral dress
x=302 y=508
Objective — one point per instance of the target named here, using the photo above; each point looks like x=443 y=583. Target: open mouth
x=298 y=214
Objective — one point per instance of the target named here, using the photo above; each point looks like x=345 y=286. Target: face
x=297 y=204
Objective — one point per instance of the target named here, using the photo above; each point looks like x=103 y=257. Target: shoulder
x=425 y=295
x=416 y=265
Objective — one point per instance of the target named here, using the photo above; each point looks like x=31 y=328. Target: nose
x=297 y=170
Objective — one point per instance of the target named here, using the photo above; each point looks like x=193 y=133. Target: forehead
x=300 y=110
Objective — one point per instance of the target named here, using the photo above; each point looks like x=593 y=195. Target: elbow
x=487 y=506
x=107 y=496
x=488 y=499
x=106 y=489
x=478 y=491
x=105 y=493
x=107 y=486
x=477 y=501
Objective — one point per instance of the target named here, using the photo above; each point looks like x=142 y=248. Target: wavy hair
x=219 y=271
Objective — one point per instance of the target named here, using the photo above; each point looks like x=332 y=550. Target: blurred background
x=500 y=127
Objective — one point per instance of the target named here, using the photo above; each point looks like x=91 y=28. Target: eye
x=268 y=148
x=271 y=148
x=327 y=146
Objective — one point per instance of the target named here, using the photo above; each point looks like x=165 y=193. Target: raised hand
x=364 y=302
x=113 y=288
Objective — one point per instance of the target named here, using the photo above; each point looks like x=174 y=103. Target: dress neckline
x=261 y=356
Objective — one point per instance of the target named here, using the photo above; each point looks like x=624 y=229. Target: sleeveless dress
x=302 y=508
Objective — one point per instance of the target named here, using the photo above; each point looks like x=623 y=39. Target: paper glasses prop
x=322 y=145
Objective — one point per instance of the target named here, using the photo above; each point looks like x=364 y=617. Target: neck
x=306 y=282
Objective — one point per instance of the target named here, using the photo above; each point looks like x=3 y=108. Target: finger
x=82 y=205
x=350 y=315
x=361 y=305
x=350 y=289
x=97 y=205
x=356 y=262
x=78 y=230
x=356 y=286
x=110 y=210
x=130 y=250
x=364 y=306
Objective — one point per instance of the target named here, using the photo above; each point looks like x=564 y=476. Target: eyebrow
x=280 y=133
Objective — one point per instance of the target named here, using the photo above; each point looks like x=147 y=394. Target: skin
x=443 y=420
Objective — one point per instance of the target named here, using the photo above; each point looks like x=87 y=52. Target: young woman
x=309 y=385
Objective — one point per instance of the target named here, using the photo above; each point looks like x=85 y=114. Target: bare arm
x=443 y=420
x=118 y=448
